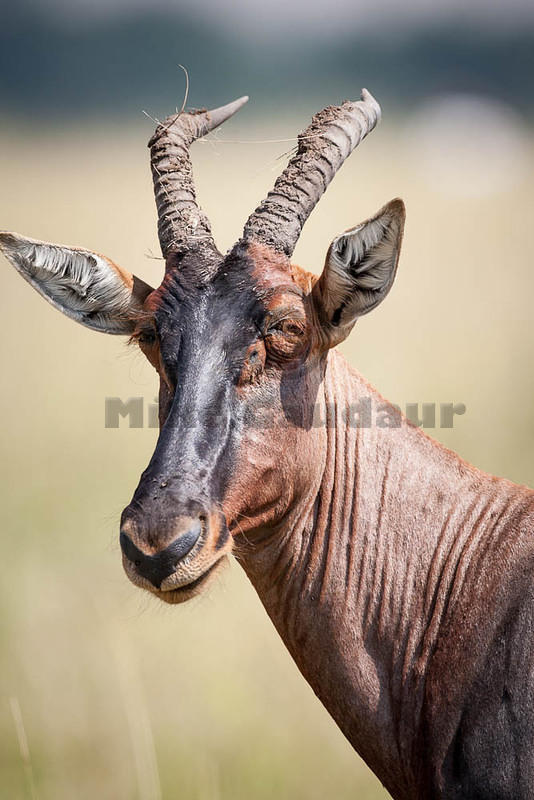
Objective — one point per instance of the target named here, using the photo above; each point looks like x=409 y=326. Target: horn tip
x=239 y=103
x=220 y=115
x=370 y=101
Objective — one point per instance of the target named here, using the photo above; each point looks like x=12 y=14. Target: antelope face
x=239 y=343
x=233 y=355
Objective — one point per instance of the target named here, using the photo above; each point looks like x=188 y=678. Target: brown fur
x=391 y=567
x=387 y=564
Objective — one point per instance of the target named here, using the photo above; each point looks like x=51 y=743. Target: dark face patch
x=233 y=355
x=210 y=340
x=203 y=332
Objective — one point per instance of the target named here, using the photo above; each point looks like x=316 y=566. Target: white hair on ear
x=359 y=254
x=361 y=264
x=84 y=285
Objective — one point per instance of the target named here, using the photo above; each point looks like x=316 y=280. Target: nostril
x=129 y=549
x=159 y=566
x=125 y=542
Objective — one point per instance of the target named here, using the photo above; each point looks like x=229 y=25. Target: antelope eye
x=147 y=338
x=288 y=327
x=286 y=338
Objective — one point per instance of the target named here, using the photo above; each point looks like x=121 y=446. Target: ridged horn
x=181 y=223
x=322 y=149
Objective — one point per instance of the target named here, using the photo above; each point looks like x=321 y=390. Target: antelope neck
x=374 y=568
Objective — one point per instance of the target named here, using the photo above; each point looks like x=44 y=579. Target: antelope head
x=240 y=343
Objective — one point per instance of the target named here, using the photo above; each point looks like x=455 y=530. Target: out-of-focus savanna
x=104 y=692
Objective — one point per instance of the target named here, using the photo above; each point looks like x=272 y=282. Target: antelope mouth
x=186 y=591
x=191 y=573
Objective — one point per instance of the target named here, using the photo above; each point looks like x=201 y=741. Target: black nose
x=159 y=566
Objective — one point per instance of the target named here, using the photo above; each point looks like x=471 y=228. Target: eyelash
x=287 y=327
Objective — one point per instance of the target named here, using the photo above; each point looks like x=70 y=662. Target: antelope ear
x=85 y=286
x=359 y=271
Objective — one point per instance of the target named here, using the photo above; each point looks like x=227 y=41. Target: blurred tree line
x=49 y=65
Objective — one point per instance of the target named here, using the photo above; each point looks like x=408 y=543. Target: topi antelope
x=399 y=577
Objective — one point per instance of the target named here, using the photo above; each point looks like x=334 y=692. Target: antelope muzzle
x=176 y=558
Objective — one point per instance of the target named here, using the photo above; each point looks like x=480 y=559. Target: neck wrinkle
x=366 y=568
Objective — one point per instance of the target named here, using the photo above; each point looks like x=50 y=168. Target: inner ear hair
x=360 y=267
x=84 y=285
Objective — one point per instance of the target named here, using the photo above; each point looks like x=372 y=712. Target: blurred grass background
x=106 y=693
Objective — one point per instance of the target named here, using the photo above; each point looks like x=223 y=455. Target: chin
x=184 y=592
